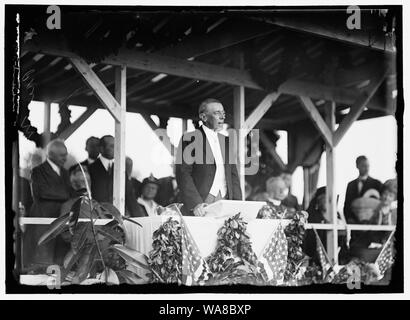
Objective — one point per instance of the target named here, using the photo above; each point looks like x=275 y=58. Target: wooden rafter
x=358 y=37
x=228 y=34
x=207 y=72
x=77 y=123
x=260 y=110
x=317 y=119
x=272 y=150
x=98 y=87
x=357 y=109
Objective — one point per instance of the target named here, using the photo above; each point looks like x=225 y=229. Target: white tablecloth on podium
x=203 y=230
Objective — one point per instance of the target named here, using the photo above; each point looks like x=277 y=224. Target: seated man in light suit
x=205 y=172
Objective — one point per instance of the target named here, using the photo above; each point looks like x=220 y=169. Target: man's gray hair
x=54 y=143
x=204 y=103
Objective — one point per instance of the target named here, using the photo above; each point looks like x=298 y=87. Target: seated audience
x=50 y=187
x=386 y=212
x=318 y=214
x=147 y=205
x=366 y=245
x=275 y=194
x=135 y=183
x=291 y=202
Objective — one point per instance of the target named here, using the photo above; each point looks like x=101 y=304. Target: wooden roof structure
x=186 y=57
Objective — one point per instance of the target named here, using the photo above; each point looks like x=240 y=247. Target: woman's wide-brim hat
x=150 y=179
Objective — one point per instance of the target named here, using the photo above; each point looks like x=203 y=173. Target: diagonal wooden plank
x=260 y=110
x=272 y=150
x=357 y=108
x=77 y=123
x=98 y=87
x=317 y=119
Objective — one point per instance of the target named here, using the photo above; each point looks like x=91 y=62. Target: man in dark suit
x=135 y=183
x=102 y=173
x=50 y=187
x=92 y=146
x=357 y=187
x=210 y=174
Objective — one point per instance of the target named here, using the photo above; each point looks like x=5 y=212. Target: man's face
x=150 y=191
x=363 y=167
x=93 y=148
x=214 y=116
x=107 y=150
x=59 y=155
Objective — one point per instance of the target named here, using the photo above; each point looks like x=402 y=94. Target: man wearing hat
x=146 y=203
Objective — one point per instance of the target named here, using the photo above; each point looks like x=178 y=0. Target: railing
x=317 y=226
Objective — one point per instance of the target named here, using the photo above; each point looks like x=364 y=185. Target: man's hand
x=199 y=209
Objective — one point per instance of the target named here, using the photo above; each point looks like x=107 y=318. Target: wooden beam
x=202 y=71
x=98 y=87
x=307 y=24
x=119 y=146
x=156 y=63
x=331 y=208
x=67 y=132
x=228 y=34
x=317 y=119
x=272 y=150
x=46 y=124
x=357 y=109
x=260 y=110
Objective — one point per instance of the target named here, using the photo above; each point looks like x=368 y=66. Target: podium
x=226 y=208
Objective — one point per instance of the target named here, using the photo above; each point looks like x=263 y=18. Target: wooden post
x=184 y=125
x=331 y=208
x=306 y=193
x=119 y=150
x=47 y=121
x=239 y=121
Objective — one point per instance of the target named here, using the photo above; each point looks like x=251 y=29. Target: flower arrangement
x=165 y=259
x=233 y=260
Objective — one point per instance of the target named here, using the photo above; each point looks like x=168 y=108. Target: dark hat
x=150 y=179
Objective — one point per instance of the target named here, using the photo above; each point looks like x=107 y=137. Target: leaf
x=66 y=206
x=108 y=210
x=56 y=227
x=109 y=276
x=74 y=214
x=108 y=235
x=130 y=220
x=132 y=256
x=84 y=264
x=130 y=277
x=82 y=234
